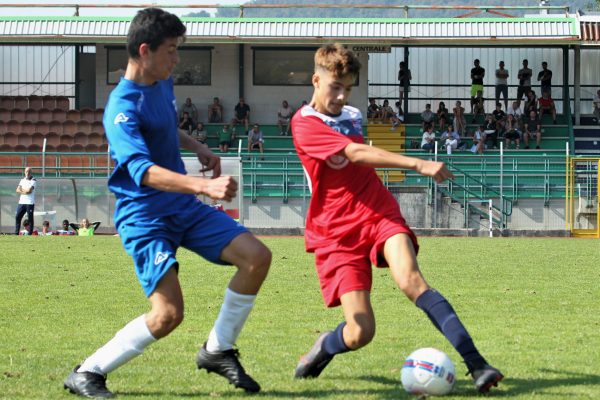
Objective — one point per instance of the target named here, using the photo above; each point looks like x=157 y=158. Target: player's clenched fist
x=434 y=169
x=221 y=188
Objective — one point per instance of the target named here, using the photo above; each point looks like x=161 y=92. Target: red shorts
x=345 y=266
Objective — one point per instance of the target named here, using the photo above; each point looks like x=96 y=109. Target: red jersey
x=546 y=103
x=344 y=195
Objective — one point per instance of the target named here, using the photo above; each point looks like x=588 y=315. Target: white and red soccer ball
x=428 y=371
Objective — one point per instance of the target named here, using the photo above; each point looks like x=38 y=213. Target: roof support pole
x=241 y=70
x=577 y=83
x=565 y=92
x=406 y=94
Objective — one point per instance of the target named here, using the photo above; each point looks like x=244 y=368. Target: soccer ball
x=428 y=371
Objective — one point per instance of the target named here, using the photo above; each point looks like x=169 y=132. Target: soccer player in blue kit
x=157 y=211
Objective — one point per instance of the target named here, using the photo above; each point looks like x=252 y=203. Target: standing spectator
x=531 y=103
x=186 y=124
x=502 y=84
x=46 y=231
x=373 y=110
x=404 y=78
x=428 y=139
x=545 y=78
x=477 y=75
x=284 y=115
x=158 y=211
x=596 y=106
x=215 y=111
x=225 y=138
x=533 y=128
x=460 y=122
x=546 y=105
x=517 y=114
x=490 y=130
x=199 y=133
x=85 y=228
x=478 y=140
x=66 y=229
x=427 y=117
x=241 y=114
x=442 y=115
x=513 y=133
x=387 y=112
x=524 y=77
x=191 y=109
x=255 y=139
x=450 y=139
x=28 y=229
x=26 y=189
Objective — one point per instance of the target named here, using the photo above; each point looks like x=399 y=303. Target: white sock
x=128 y=343
x=234 y=312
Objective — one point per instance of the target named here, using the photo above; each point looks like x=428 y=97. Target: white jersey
x=26 y=184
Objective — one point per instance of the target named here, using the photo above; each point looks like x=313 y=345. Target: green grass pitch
x=531 y=305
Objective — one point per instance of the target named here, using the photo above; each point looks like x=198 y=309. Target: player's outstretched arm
x=378 y=158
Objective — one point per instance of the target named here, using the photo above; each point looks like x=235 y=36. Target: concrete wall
x=264 y=101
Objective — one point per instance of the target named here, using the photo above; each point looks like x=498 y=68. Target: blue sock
x=334 y=343
x=443 y=316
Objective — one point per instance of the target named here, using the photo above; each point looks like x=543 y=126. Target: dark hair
x=25 y=222
x=337 y=60
x=152 y=26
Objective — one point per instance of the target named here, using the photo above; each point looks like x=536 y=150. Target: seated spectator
x=241 y=114
x=46 y=231
x=25 y=230
x=387 y=112
x=373 y=110
x=491 y=133
x=215 y=111
x=199 y=133
x=450 y=139
x=399 y=112
x=427 y=117
x=186 y=124
x=85 y=228
x=442 y=115
x=517 y=114
x=596 y=106
x=546 y=104
x=284 y=115
x=460 y=121
x=533 y=128
x=478 y=141
x=477 y=105
x=190 y=108
x=397 y=118
x=66 y=229
x=500 y=118
x=513 y=133
x=225 y=138
x=255 y=139
x=530 y=103
x=428 y=140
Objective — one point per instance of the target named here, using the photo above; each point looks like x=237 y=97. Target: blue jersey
x=141 y=127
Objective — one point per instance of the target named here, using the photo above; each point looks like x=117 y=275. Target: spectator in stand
x=404 y=78
x=215 y=111
x=513 y=133
x=517 y=114
x=530 y=103
x=28 y=229
x=533 y=128
x=546 y=104
x=190 y=108
x=185 y=123
x=460 y=122
x=524 y=77
x=500 y=118
x=427 y=118
x=477 y=106
x=545 y=78
x=596 y=106
x=442 y=115
x=46 y=231
x=199 y=133
x=225 y=138
x=66 y=229
x=373 y=110
x=450 y=139
x=26 y=189
x=398 y=117
x=85 y=228
x=502 y=84
x=478 y=141
x=241 y=114
x=428 y=139
x=284 y=116
x=255 y=139
x=477 y=75
x=387 y=112
x=491 y=133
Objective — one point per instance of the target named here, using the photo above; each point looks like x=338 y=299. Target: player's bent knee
x=163 y=322
x=359 y=335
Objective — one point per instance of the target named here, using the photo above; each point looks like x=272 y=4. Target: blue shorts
x=153 y=242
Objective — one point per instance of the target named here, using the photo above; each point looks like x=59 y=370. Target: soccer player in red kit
x=353 y=222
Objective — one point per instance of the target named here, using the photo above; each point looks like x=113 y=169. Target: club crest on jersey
x=160 y=257
x=120 y=118
x=337 y=162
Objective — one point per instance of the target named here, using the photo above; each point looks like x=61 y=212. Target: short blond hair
x=338 y=60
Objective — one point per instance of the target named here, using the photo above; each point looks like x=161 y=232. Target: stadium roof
x=410 y=31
